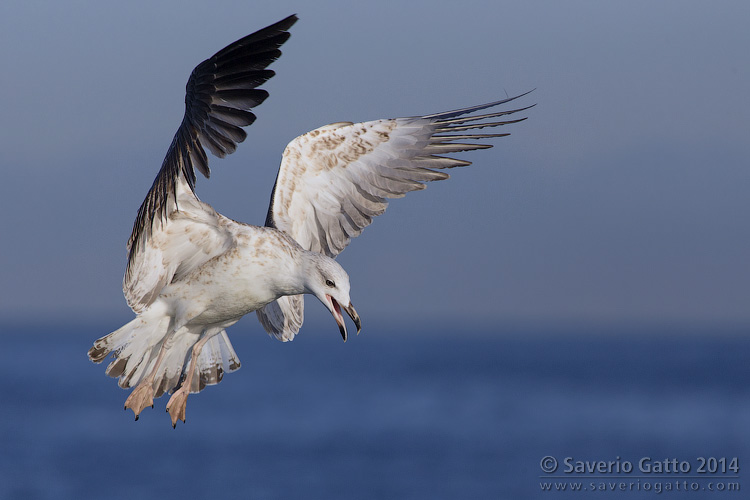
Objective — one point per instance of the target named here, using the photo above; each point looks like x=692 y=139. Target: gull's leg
x=178 y=402
x=143 y=394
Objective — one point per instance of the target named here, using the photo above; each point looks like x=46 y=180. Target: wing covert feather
x=186 y=240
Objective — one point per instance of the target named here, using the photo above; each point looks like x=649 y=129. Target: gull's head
x=328 y=281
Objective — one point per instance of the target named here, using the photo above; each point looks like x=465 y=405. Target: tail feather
x=135 y=348
x=175 y=361
x=216 y=358
x=113 y=342
x=138 y=366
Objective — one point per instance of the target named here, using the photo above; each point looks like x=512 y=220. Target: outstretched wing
x=334 y=180
x=219 y=95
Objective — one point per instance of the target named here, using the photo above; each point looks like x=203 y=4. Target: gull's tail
x=136 y=345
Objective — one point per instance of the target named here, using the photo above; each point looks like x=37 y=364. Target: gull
x=192 y=272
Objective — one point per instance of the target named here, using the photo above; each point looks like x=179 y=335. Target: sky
x=622 y=199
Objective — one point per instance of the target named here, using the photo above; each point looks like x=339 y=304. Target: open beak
x=336 y=310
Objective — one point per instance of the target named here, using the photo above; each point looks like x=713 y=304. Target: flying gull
x=192 y=272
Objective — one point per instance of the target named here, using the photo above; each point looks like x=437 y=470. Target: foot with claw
x=177 y=404
x=141 y=397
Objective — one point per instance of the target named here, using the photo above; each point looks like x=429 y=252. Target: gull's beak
x=336 y=311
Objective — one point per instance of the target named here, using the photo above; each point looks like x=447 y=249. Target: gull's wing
x=174 y=232
x=335 y=179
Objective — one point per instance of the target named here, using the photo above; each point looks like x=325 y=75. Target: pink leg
x=143 y=394
x=178 y=402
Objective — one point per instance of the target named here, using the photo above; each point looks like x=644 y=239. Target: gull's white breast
x=260 y=266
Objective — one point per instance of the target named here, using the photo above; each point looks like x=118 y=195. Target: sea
x=443 y=412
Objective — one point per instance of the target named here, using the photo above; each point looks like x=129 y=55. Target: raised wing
x=219 y=95
x=334 y=180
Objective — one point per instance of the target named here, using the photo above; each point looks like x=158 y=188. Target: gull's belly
x=224 y=289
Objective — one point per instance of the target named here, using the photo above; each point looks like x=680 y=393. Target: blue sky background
x=624 y=197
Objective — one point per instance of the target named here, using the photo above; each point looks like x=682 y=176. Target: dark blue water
x=428 y=415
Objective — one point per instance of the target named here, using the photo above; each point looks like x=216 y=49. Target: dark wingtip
x=458 y=112
x=289 y=20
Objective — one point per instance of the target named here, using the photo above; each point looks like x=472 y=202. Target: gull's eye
x=330 y=283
